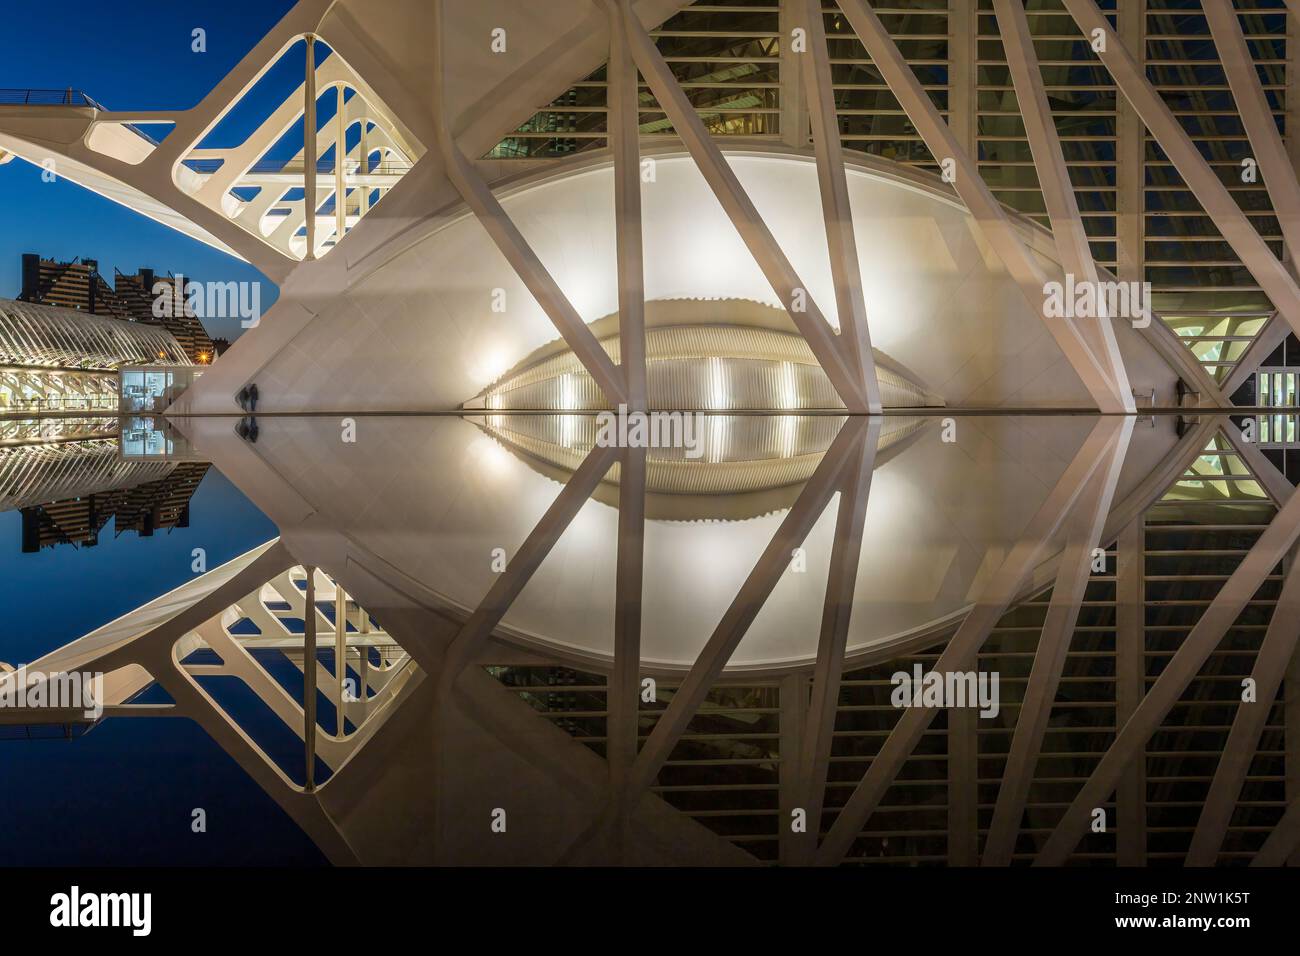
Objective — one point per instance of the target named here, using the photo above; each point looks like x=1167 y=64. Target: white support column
x=340 y=185
x=740 y=209
x=988 y=213
x=624 y=139
x=963 y=49
x=794 y=112
x=1058 y=193
x=850 y=303
x=1130 y=686
x=309 y=149
x=309 y=676
x=364 y=192
x=1002 y=588
x=1130 y=150
x=963 y=785
x=623 y=693
x=792 y=783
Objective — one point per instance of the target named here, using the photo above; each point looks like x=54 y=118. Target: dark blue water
x=125 y=793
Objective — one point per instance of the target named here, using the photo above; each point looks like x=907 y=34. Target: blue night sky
x=134 y=55
x=124 y=793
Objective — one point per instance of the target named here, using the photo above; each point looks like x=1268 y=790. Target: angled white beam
x=846 y=270
x=1209 y=191
x=1248 y=725
x=837 y=610
x=748 y=601
x=740 y=209
x=964 y=646
x=1283 y=841
x=527 y=560
x=989 y=214
x=1054 y=182
x=624 y=138
x=1257 y=116
x=510 y=241
x=1275 y=484
x=1053 y=648
x=535 y=276
x=1181 y=670
x=1270 y=336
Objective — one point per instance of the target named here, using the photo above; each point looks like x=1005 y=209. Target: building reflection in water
x=673 y=677
x=70 y=476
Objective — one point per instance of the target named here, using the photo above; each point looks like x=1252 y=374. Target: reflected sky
x=416 y=508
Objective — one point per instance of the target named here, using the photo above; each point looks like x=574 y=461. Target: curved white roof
x=50 y=337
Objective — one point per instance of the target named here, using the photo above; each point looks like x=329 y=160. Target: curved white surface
x=419 y=333
x=434 y=496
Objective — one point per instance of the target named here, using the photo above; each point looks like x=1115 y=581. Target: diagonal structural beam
x=962 y=649
x=1054 y=181
x=535 y=276
x=989 y=214
x=1209 y=191
x=1284 y=839
x=846 y=269
x=1266 y=142
x=1257 y=117
x=1270 y=336
x=511 y=582
x=1049 y=659
x=749 y=600
x=510 y=241
x=1181 y=670
x=1248 y=725
x=837 y=610
x=762 y=245
x=1275 y=484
